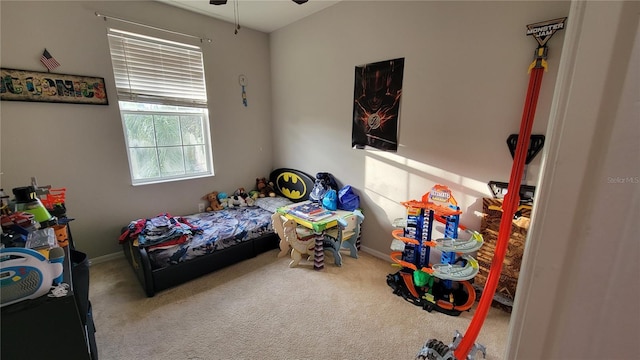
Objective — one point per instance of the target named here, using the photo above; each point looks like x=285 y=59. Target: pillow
x=271 y=204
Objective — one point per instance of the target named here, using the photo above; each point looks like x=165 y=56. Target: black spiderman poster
x=376 y=107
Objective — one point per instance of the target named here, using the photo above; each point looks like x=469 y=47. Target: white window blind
x=152 y=70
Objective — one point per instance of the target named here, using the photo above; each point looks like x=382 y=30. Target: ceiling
x=262 y=15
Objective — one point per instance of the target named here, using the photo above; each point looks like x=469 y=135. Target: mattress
x=215 y=231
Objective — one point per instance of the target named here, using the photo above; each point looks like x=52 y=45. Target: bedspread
x=218 y=230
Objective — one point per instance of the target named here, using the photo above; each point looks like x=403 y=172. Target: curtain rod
x=151 y=27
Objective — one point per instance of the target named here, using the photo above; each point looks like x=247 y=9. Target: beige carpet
x=262 y=309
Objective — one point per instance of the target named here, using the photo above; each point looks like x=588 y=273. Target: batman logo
x=291 y=185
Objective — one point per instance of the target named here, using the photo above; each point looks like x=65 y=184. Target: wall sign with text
x=25 y=85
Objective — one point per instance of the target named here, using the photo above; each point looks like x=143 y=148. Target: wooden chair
x=294 y=239
x=345 y=236
x=351 y=232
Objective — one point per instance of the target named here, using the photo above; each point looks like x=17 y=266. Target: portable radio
x=27 y=274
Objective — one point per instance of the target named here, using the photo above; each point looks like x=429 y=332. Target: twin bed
x=205 y=242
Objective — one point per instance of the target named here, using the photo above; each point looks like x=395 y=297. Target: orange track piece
x=408 y=280
x=397 y=235
x=438 y=209
x=395 y=256
x=509 y=206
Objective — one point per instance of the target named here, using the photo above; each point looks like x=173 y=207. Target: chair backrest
x=350 y=230
x=277 y=221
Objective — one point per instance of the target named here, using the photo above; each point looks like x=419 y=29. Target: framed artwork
x=376 y=105
x=25 y=85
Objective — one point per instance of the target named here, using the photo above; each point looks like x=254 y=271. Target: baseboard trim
x=118 y=255
x=375 y=253
x=105 y=258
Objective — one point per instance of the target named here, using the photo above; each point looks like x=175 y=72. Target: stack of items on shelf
x=30 y=217
x=33 y=239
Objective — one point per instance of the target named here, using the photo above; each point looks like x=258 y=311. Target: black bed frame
x=156 y=280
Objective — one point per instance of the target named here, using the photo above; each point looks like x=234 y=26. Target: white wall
x=465 y=80
x=81 y=147
x=577 y=297
x=579 y=283
x=465 y=73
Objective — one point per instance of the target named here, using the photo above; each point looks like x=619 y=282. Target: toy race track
x=443 y=287
x=464 y=347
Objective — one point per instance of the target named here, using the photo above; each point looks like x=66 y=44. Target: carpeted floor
x=262 y=309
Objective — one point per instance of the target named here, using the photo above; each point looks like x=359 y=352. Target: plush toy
x=239 y=198
x=212 y=198
x=250 y=201
x=241 y=192
x=265 y=188
x=224 y=200
x=224 y=203
x=236 y=201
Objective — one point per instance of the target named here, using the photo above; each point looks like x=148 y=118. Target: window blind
x=148 y=69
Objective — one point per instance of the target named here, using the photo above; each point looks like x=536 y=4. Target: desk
x=318 y=227
x=51 y=327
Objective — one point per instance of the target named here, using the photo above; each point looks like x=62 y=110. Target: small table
x=318 y=227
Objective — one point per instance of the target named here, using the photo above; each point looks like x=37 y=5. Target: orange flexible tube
x=509 y=206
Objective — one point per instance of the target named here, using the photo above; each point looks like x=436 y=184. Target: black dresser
x=53 y=327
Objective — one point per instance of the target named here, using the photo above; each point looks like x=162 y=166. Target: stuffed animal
x=250 y=201
x=212 y=198
x=265 y=188
x=241 y=192
x=224 y=200
x=238 y=199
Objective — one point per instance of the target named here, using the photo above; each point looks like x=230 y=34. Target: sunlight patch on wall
x=385 y=179
x=391 y=179
x=414 y=171
x=450 y=179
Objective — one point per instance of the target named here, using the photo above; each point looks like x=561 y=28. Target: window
x=163 y=106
